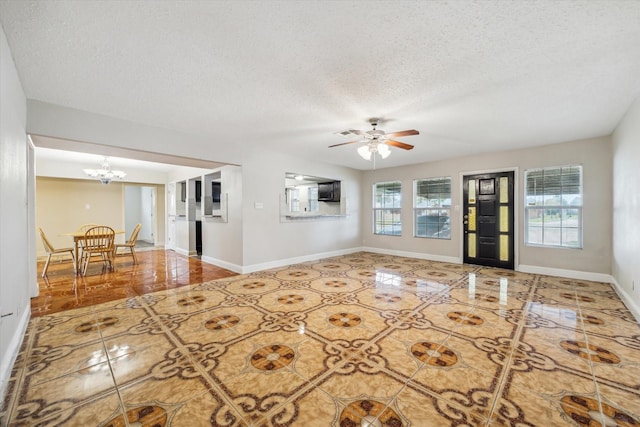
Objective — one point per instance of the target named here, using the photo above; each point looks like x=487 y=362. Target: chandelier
x=104 y=174
x=374 y=147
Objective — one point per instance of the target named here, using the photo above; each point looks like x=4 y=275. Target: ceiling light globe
x=383 y=150
x=365 y=152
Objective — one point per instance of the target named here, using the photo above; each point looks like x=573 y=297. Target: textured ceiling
x=470 y=76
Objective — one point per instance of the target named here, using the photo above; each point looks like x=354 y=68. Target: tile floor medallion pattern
x=356 y=340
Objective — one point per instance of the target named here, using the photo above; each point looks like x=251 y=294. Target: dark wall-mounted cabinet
x=216 y=189
x=198 y=191
x=183 y=191
x=329 y=191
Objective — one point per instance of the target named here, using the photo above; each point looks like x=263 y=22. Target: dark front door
x=488 y=219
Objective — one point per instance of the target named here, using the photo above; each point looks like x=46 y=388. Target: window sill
x=311 y=217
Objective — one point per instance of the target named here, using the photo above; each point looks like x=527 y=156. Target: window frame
x=293 y=194
x=394 y=211
x=551 y=209
x=312 y=196
x=440 y=208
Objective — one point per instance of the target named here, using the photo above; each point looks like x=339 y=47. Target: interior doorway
x=488 y=219
x=139 y=208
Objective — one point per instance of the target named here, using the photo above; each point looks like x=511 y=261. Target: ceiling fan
x=377 y=140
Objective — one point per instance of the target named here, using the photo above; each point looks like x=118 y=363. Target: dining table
x=77 y=237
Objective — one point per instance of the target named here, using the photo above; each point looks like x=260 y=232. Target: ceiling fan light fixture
x=383 y=150
x=365 y=152
x=377 y=141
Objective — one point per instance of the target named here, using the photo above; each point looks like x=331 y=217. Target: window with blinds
x=314 y=206
x=387 y=208
x=432 y=208
x=553 y=210
x=293 y=196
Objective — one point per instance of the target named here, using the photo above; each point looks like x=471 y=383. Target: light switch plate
x=258 y=205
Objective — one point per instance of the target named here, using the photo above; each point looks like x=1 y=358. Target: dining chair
x=130 y=243
x=83 y=229
x=98 y=240
x=51 y=251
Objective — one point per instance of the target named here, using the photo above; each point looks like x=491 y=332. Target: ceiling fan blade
x=403 y=133
x=398 y=144
x=344 y=143
x=356 y=132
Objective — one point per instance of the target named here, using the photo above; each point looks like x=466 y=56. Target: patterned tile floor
x=357 y=340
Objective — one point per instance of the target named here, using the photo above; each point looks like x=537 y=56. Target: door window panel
x=504 y=219
x=504 y=247
x=504 y=189
x=472 y=245
x=472 y=191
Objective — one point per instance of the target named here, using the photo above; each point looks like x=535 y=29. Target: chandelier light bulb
x=105 y=175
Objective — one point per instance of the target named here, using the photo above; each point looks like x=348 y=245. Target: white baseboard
x=185 y=252
x=296 y=260
x=558 y=272
x=145 y=249
x=6 y=365
x=418 y=255
x=220 y=263
x=631 y=304
x=569 y=274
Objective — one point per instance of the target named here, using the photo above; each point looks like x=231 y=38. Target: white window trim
x=415 y=209
x=374 y=209
x=579 y=208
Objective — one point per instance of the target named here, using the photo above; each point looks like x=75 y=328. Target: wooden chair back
x=134 y=235
x=99 y=238
x=48 y=247
x=84 y=227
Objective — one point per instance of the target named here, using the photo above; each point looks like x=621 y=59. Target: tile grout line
x=515 y=341
x=591 y=367
x=123 y=408
x=373 y=340
x=441 y=344
x=407 y=385
x=19 y=383
x=205 y=375
x=82 y=402
x=431 y=300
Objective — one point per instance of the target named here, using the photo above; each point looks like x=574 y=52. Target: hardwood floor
x=157 y=270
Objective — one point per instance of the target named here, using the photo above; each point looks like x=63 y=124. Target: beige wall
x=593 y=154
x=266 y=239
x=63 y=205
x=626 y=204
